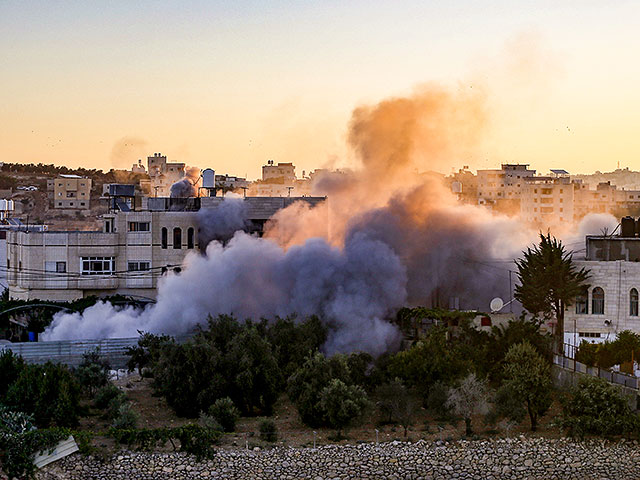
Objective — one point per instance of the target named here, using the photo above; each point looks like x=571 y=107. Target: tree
x=549 y=281
x=93 y=372
x=395 y=404
x=528 y=375
x=468 y=398
x=342 y=404
x=597 y=407
x=226 y=413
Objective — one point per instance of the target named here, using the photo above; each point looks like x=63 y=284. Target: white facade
x=547 y=200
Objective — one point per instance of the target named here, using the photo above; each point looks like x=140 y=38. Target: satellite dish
x=496 y=304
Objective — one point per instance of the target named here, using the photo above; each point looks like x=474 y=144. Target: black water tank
x=628 y=227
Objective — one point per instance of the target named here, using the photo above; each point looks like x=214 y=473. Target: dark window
x=582 y=302
x=177 y=238
x=164 y=240
x=137 y=266
x=633 y=302
x=190 y=237
x=138 y=226
x=485 y=321
x=597 y=301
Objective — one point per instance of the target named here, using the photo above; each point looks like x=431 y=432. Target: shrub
x=207 y=421
x=506 y=404
x=93 y=372
x=436 y=401
x=596 y=407
x=268 y=431
x=104 y=396
x=468 y=398
x=113 y=409
x=395 y=404
x=126 y=417
x=226 y=413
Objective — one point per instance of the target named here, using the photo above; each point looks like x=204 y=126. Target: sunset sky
x=229 y=85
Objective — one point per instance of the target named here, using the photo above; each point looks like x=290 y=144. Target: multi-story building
x=162 y=174
x=282 y=172
x=610 y=304
x=501 y=189
x=72 y=191
x=547 y=200
x=133 y=250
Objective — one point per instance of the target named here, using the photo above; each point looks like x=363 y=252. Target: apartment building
x=547 y=200
x=501 y=189
x=72 y=192
x=610 y=304
x=129 y=256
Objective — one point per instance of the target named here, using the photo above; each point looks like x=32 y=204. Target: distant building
x=163 y=174
x=501 y=189
x=72 y=192
x=547 y=200
x=138 y=167
x=279 y=180
x=133 y=250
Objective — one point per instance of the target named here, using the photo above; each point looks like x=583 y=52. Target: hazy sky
x=229 y=85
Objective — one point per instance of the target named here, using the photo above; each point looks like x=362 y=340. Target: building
x=501 y=189
x=610 y=304
x=279 y=180
x=130 y=254
x=72 y=192
x=547 y=200
x=163 y=174
x=280 y=173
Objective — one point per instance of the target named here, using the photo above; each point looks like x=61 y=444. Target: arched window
x=633 y=302
x=190 y=237
x=597 y=301
x=177 y=238
x=163 y=239
x=582 y=301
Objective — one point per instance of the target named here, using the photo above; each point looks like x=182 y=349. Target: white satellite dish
x=496 y=304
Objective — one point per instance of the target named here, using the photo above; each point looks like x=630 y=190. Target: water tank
x=627 y=227
x=208 y=178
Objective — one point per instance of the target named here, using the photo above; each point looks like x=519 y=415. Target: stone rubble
x=510 y=458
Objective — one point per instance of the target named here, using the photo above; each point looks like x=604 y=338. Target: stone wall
x=517 y=458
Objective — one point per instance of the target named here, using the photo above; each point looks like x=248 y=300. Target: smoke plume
x=188 y=186
x=390 y=234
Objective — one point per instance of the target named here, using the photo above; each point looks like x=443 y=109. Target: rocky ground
x=517 y=458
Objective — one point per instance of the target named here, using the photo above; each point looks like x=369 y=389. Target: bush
x=596 y=407
x=126 y=417
x=226 y=413
x=436 y=401
x=113 y=409
x=104 y=396
x=506 y=404
x=207 y=421
x=93 y=372
x=468 y=398
x=342 y=404
x=268 y=431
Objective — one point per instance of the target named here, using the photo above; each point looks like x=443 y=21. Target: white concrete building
x=547 y=200
x=610 y=304
x=163 y=174
x=130 y=254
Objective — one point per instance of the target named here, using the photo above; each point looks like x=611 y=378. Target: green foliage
x=268 y=431
x=105 y=395
x=596 y=407
x=194 y=439
x=17 y=449
x=342 y=404
x=395 y=404
x=605 y=355
x=226 y=413
x=93 y=372
x=549 y=281
x=11 y=366
x=506 y=404
x=292 y=342
x=49 y=392
x=528 y=375
x=126 y=417
x=148 y=348
x=433 y=359
x=436 y=401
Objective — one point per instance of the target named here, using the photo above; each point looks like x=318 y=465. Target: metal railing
x=610 y=376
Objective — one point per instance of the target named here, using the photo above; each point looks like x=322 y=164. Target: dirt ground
x=154 y=413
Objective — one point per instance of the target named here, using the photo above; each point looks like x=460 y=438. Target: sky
x=230 y=85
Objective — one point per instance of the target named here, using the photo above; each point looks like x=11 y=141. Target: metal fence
x=69 y=352
x=618 y=378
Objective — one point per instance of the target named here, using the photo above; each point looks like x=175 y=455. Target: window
x=582 y=301
x=164 y=240
x=138 y=226
x=485 y=321
x=597 y=301
x=59 y=204
x=97 y=265
x=71 y=203
x=190 y=237
x=589 y=334
x=138 y=266
x=546 y=209
x=633 y=302
x=177 y=238
x=71 y=194
x=56 y=267
x=82 y=204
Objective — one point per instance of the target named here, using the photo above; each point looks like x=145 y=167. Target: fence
x=618 y=378
x=69 y=352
